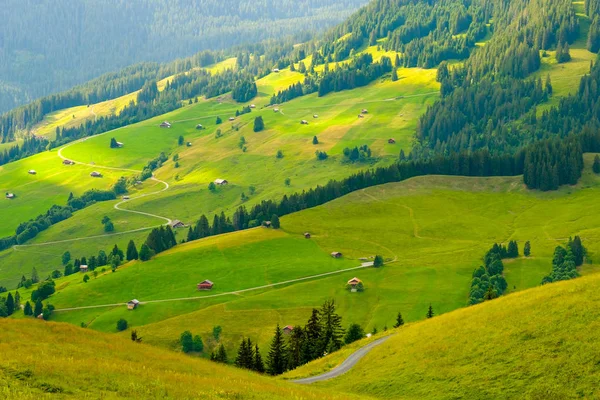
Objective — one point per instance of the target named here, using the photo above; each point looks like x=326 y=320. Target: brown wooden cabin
x=205 y=285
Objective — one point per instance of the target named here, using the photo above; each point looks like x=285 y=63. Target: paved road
x=345 y=366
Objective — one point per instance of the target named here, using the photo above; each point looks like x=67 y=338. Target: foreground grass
x=540 y=343
x=76 y=363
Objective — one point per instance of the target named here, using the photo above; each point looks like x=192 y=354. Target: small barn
x=306 y=235
x=176 y=224
x=205 y=285
x=199 y=127
x=288 y=329
x=83 y=268
x=315 y=115
x=221 y=182
x=336 y=254
x=125 y=197
x=95 y=174
x=267 y=224
x=304 y=122
x=364 y=111
x=32 y=172
x=252 y=106
x=391 y=141
x=276 y=110
x=360 y=116
x=165 y=124
x=276 y=70
x=68 y=162
x=132 y=304
x=189 y=144
x=232 y=118
x=10 y=195
x=354 y=284
x=120 y=144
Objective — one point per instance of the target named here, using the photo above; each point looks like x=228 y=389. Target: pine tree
x=27 y=310
x=312 y=332
x=394 y=75
x=259 y=124
x=527 y=249
x=145 y=252
x=276 y=361
x=221 y=355
x=378 y=262
x=596 y=165
x=258 y=365
x=186 y=341
x=132 y=253
x=296 y=343
x=275 y=222
x=315 y=140
x=430 y=313
x=331 y=328
x=38 y=308
x=245 y=357
x=17 y=300
x=34 y=276
x=399 y=321
x=355 y=332
x=10 y=304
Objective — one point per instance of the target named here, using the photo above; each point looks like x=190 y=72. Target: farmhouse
x=336 y=254
x=354 y=281
x=304 y=122
x=287 y=329
x=176 y=224
x=68 y=162
x=10 y=195
x=95 y=174
x=132 y=304
x=31 y=172
x=391 y=141
x=205 y=285
x=306 y=235
x=165 y=124
x=221 y=182
x=83 y=268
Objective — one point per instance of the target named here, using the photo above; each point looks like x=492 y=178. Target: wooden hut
x=165 y=124
x=205 y=285
x=132 y=304
x=336 y=254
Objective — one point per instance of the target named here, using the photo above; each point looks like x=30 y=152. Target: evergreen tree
x=276 y=360
x=259 y=124
x=180 y=140
x=355 y=332
x=198 y=344
x=145 y=252
x=258 y=363
x=378 y=262
x=331 y=328
x=430 y=313
x=275 y=222
x=121 y=325
x=245 y=356
x=34 y=276
x=394 y=75
x=38 y=308
x=17 y=301
x=312 y=332
x=132 y=253
x=27 y=310
x=221 y=355
x=218 y=121
x=295 y=346
x=66 y=257
x=513 y=249
x=10 y=304
x=596 y=165
x=113 y=143
x=527 y=249
x=186 y=341
x=315 y=140
x=399 y=321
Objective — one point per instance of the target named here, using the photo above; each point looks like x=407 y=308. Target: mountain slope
x=100 y=36
x=536 y=344
x=72 y=362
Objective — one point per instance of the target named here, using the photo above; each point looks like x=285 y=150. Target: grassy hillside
x=104 y=366
x=540 y=343
x=437 y=229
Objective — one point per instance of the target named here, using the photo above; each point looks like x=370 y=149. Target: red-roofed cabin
x=392 y=141
x=205 y=285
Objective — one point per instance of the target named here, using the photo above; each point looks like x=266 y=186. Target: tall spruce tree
x=331 y=328
x=27 y=310
x=430 y=313
x=312 y=332
x=258 y=365
x=10 y=304
x=296 y=342
x=399 y=321
x=527 y=249
x=38 y=308
x=132 y=253
x=276 y=360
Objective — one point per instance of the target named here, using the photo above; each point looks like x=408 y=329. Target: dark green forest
x=51 y=45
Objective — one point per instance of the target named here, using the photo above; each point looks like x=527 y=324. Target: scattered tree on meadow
x=187 y=342
x=315 y=140
x=66 y=257
x=430 y=312
x=218 y=121
x=259 y=124
x=135 y=337
x=198 y=344
x=394 y=75
x=527 y=249
x=10 y=304
x=355 y=332
x=180 y=140
x=220 y=355
x=399 y=321
x=279 y=154
x=121 y=325
x=212 y=187
x=113 y=143
x=86 y=278
x=378 y=261
x=216 y=332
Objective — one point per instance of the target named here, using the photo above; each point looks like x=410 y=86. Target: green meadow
x=433 y=231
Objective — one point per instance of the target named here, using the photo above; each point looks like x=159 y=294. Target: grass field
x=539 y=343
x=437 y=229
x=109 y=367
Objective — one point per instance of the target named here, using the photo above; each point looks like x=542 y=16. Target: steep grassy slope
x=540 y=343
x=437 y=229
x=71 y=362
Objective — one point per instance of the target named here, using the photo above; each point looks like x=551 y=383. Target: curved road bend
x=344 y=366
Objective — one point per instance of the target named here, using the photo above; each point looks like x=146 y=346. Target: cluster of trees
x=296 y=90
x=31 y=145
x=244 y=89
x=108 y=224
x=566 y=260
x=359 y=72
x=190 y=343
x=488 y=281
x=11 y=304
x=113 y=258
x=362 y=153
x=553 y=162
x=159 y=240
x=249 y=357
x=28 y=230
